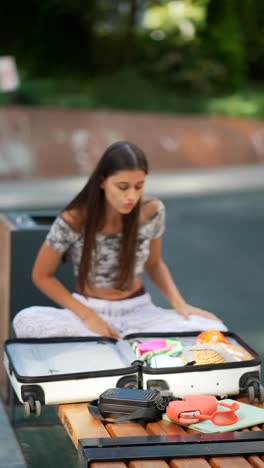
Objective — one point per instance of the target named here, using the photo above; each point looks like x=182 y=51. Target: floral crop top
x=63 y=238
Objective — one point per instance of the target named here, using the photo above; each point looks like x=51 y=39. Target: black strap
x=95 y=412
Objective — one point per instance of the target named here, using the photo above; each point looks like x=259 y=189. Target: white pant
x=135 y=315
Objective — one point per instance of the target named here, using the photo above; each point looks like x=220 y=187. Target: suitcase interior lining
x=68 y=358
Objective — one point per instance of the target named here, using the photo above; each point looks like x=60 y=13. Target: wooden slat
x=148 y=464
x=108 y=465
x=189 y=463
x=5 y=266
x=80 y=425
x=135 y=429
x=229 y=462
x=244 y=399
x=254 y=460
x=165 y=427
x=126 y=429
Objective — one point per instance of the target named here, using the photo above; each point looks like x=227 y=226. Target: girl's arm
x=43 y=272
x=159 y=273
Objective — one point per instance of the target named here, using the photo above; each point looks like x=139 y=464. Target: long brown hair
x=90 y=202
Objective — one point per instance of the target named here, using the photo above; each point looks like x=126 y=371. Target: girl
x=111 y=234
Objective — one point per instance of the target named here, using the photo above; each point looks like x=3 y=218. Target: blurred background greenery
x=192 y=56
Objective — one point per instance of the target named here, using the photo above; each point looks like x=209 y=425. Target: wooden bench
x=81 y=425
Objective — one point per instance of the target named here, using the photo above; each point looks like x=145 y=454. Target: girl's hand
x=187 y=310
x=98 y=325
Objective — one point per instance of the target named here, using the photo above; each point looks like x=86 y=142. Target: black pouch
x=125 y=404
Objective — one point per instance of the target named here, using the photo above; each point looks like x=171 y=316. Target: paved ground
x=10 y=452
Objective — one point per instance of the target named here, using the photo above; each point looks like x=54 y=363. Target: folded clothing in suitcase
x=66 y=370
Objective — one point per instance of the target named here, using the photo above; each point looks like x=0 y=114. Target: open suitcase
x=66 y=370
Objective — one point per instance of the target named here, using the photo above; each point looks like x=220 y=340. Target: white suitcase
x=66 y=370
x=222 y=380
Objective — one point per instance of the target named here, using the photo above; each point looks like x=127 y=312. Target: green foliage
x=190 y=46
x=251 y=14
x=223 y=42
x=54 y=36
x=129 y=90
x=181 y=65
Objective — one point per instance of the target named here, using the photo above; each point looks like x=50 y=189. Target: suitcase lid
x=47 y=359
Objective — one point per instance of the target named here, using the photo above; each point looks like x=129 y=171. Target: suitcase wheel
x=37 y=408
x=27 y=410
x=127 y=382
x=255 y=392
x=32 y=406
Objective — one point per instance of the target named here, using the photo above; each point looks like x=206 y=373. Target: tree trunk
x=130 y=32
